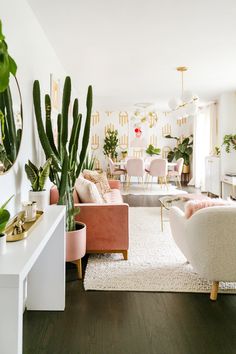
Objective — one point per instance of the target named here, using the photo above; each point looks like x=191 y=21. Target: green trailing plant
x=183 y=149
x=67 y=160
x=10 y=137
x=217 y=151
x=38 y=176
x=89 y=163
x=111 y=144
x=229 y=142
x=4 y=216
x=151 y=150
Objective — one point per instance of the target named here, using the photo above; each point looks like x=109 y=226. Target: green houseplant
x=4 y=218
x=151 y=150
x=229 y=142
x=66 y=164
x=183 y=149
x=10 y=136
x=38 y=177
x=111 y=144
x=89 y=163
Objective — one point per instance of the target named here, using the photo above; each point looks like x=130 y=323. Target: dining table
x=147 y=161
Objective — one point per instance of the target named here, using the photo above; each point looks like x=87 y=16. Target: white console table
x=40 y=259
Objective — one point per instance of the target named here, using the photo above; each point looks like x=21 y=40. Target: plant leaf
x=35 y=168
x=1 y=34
x=32 y=176
x=12 y=66
x=4 y=217
x=5 y=204
x=44 y=174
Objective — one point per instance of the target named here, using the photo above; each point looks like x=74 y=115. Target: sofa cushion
x=192 y=206
x=113 y=197
x=87 y=191
x=100 y=179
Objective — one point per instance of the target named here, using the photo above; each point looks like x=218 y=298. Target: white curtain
x=205 y=139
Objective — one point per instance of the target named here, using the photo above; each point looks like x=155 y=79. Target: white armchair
x=208 y=241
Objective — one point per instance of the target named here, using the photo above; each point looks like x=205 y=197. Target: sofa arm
x=107 y=226
x=178 y=229
x=114 y=184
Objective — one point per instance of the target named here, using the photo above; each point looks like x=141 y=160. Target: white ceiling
x=128 y=49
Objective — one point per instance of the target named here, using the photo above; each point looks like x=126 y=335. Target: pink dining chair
x=177 y=171
x=158 y=168
x=135 y=168
x=114 y=171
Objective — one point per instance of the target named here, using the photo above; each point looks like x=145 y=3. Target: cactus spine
x=66 y=159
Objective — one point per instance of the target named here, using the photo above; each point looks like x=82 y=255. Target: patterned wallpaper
x=153 y=126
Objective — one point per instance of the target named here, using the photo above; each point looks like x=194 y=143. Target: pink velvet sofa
x=107 y=224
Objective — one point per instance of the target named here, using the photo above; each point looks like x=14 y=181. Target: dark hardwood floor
x=143 y=200
x=132 y=323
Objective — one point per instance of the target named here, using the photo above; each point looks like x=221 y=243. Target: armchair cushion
x=194 y=205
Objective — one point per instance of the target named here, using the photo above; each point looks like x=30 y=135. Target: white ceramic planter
x=41 y=198
x=3 y=242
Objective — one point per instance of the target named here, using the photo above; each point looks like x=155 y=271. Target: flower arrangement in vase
x=138 y=132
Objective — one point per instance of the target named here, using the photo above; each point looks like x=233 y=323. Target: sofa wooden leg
x=125 y=255
x=214 y=290
x=79 y=268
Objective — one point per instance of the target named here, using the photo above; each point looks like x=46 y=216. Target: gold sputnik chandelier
x=185 y=105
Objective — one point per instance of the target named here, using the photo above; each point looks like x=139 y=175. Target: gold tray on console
x=28 y=226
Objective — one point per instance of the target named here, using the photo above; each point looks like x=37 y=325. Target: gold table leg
x=161 y=218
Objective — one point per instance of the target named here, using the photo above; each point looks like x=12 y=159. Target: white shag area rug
x=151 y=189
x=155 y=262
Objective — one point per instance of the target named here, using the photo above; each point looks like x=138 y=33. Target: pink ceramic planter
x=76 y=244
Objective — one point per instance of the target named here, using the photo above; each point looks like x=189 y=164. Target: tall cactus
x=66 y=159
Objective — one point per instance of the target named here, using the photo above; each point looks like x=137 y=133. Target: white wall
x=36 y=59
x=227 y=125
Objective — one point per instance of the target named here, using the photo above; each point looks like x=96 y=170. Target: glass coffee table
x=168 y=201
x=178 y=200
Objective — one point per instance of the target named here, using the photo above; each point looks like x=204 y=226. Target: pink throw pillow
x=192 y=206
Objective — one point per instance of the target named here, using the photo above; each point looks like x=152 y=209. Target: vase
x=3 y=242
x=76 y=245
x=41 y=198
x=186 y=169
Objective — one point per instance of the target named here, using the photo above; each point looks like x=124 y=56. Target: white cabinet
x=40 y=258
x=212 y=169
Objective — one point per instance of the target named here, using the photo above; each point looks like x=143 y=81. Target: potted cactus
x=67 y=161
x=4 y=218
x=38 y=177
